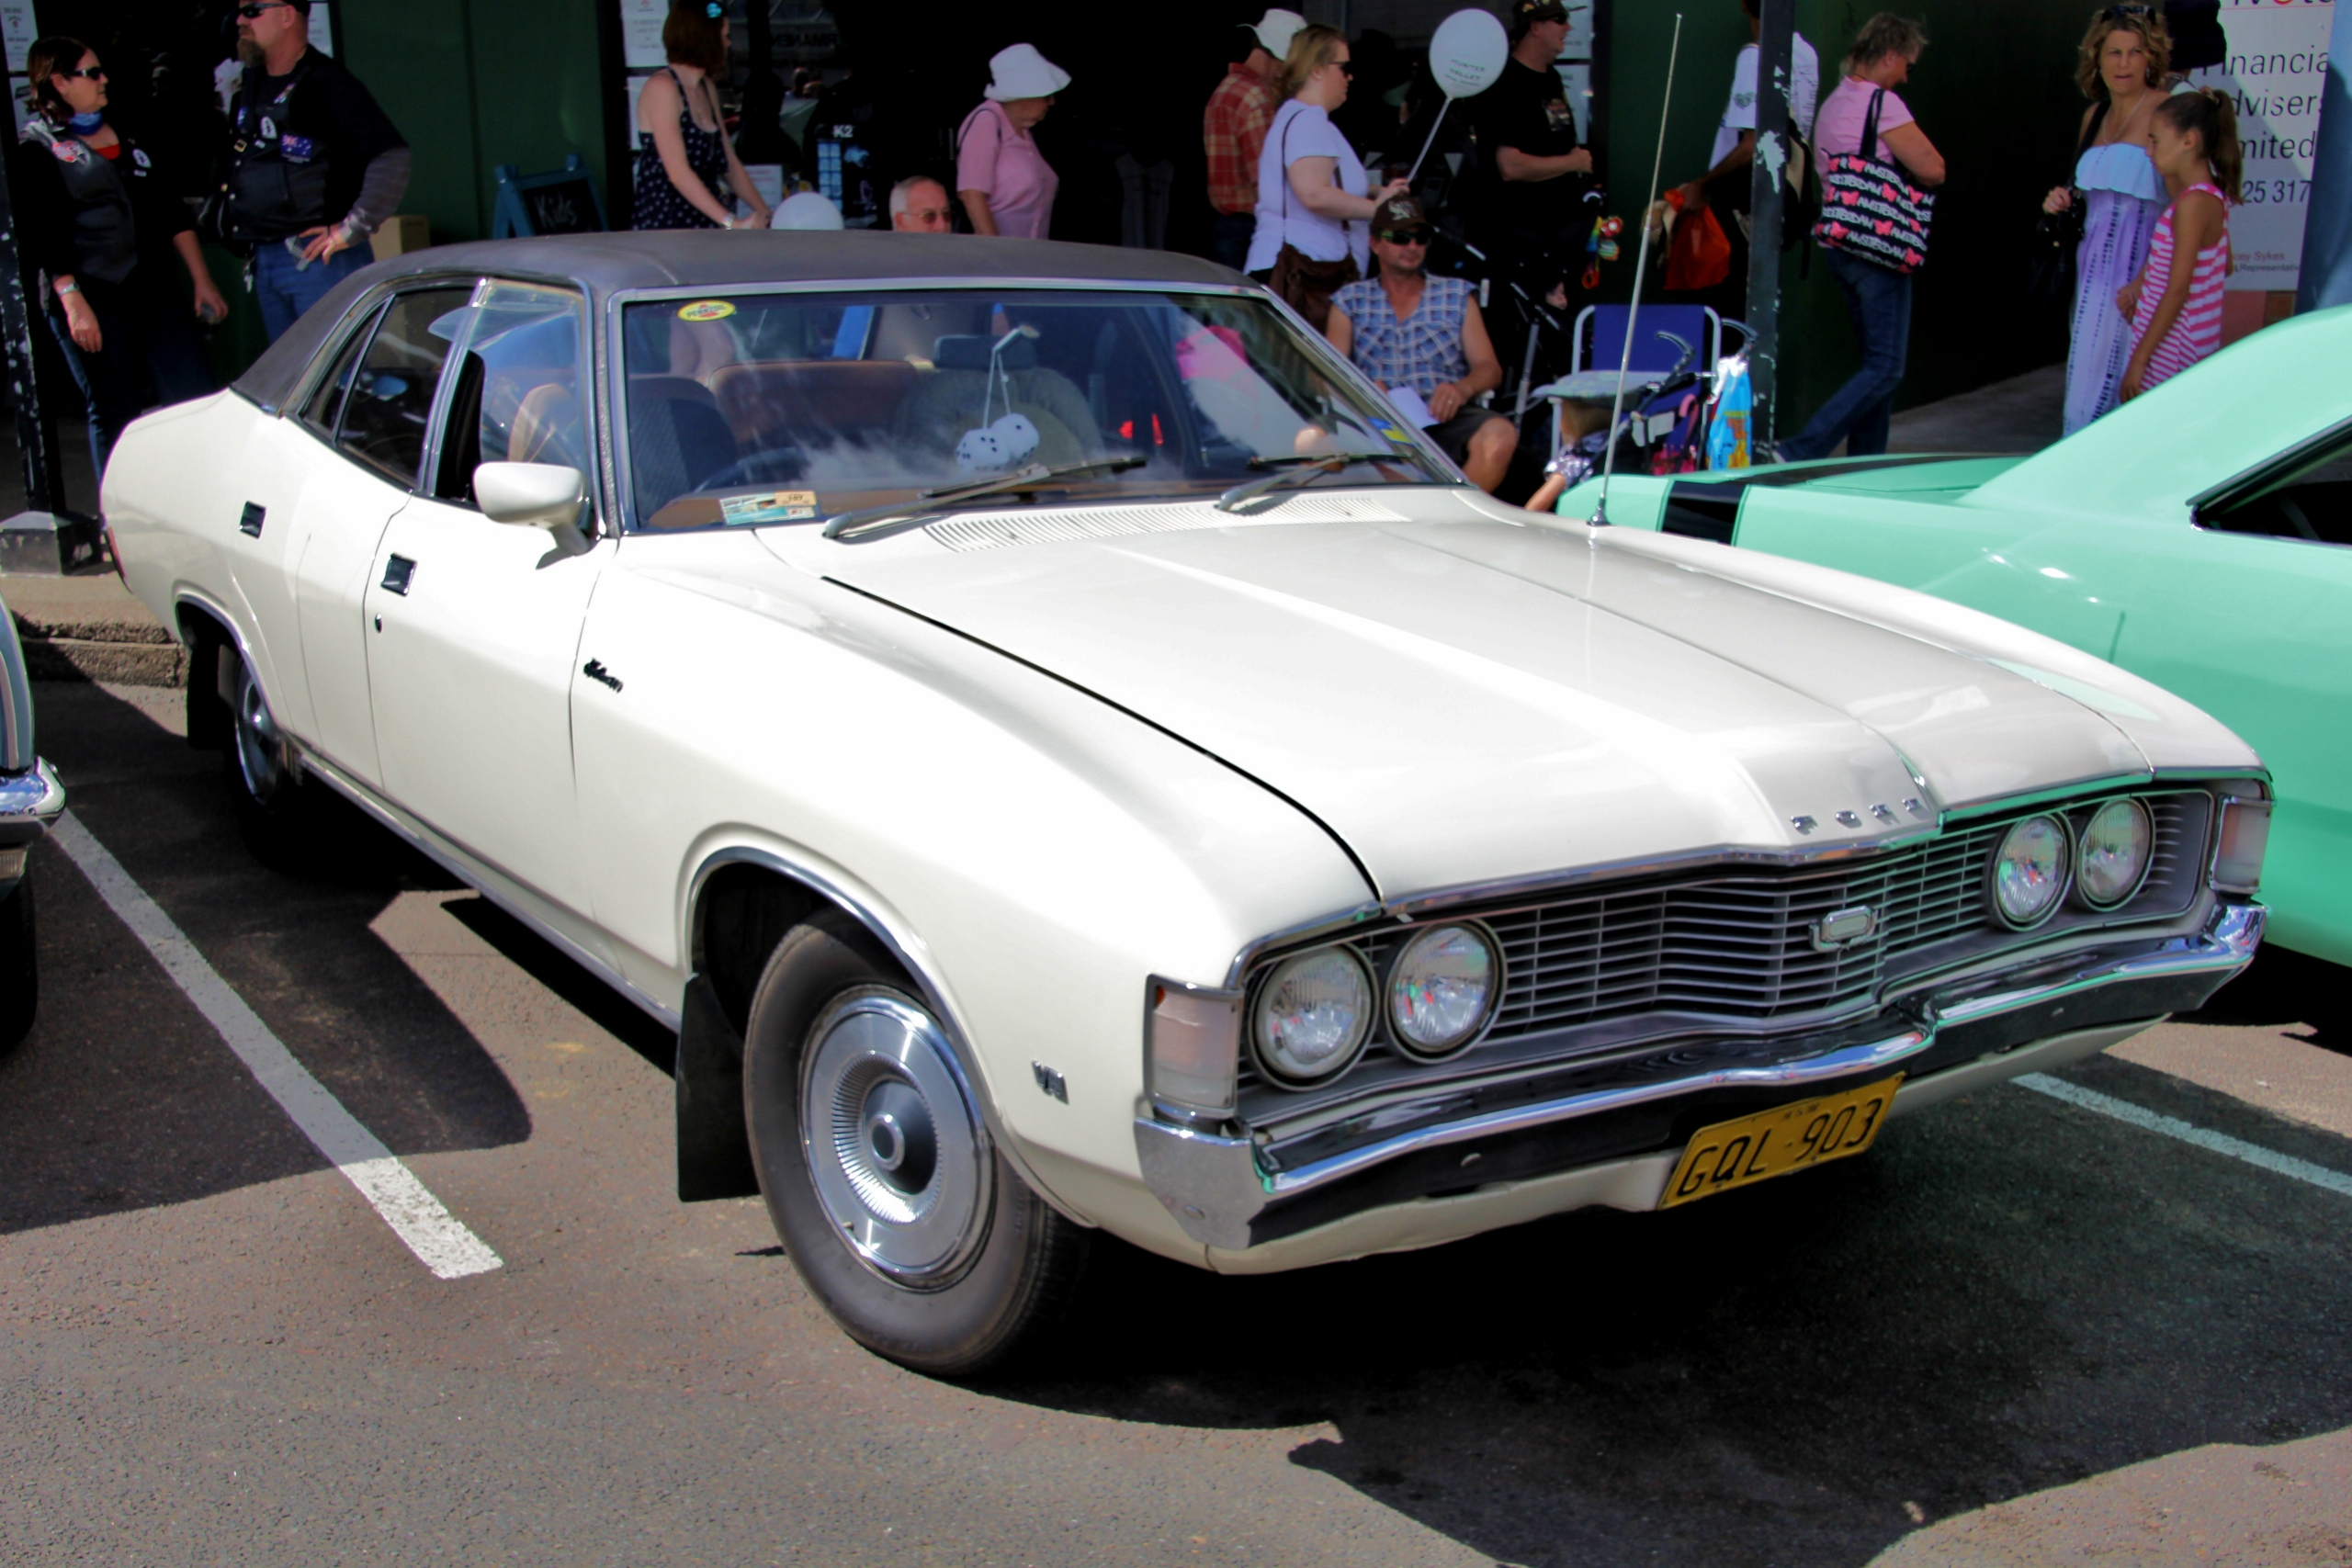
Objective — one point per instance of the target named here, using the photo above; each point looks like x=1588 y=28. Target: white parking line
x=2187 y=1131
x=416 y=1216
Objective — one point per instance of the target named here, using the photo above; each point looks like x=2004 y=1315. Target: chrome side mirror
x=530 y=495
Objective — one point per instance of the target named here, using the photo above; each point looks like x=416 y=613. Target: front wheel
x=885 y=1187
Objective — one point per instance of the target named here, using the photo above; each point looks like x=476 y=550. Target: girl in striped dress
x=2176 y=304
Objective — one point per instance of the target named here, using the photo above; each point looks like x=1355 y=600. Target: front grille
x=1740 y=944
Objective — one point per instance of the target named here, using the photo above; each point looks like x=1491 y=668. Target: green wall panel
x=474 y=83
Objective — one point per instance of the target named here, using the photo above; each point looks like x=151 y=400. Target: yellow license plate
x=1776 y=1142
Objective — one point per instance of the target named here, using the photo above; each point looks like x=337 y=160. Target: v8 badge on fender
x=1775 y=1142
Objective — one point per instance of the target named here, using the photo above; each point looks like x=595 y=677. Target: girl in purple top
x=1006 y=184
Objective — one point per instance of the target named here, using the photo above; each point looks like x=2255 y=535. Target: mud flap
x=714 y=1150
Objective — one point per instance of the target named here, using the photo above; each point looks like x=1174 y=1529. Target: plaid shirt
x=1234 y=129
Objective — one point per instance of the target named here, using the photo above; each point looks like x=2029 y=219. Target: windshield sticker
x=707 y=310
x=778 y=506
x=1391 y=429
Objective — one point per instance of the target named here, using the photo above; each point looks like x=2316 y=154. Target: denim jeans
x=285 y=293
x=1229 y=237
x=148 y=353
x=1878 y=301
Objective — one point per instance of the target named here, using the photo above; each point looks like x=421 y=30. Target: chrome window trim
x=444 y=393
x=2240 y=485
x=615 y=375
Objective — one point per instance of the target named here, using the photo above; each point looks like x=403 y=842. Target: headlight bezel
x=1405 y=1044
x=2082 y=848
x=1261 y=1053
x=2066 y=863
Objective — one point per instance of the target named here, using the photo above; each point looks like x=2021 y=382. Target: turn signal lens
x=1441 y=989
x=2029 y=871
x=2117 y=847
x=2245 y=834
x=1313 y=1014
x=1193 y=1045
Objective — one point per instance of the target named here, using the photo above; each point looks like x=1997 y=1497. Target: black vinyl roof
x=605 y=264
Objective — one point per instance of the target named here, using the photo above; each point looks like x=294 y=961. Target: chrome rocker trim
x=1216 y=1186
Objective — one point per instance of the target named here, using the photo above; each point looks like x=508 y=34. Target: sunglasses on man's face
x=92 y=73
x=251 y=11
x=1403 y=236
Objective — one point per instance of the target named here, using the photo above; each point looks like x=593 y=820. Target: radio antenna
x=1641 y=269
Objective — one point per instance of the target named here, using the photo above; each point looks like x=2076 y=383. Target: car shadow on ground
x=123 y=1097
x=2283 y=987
x=2007 y=1294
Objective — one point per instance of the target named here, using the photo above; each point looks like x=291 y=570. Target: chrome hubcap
x=258 y=740
x=899 y=1160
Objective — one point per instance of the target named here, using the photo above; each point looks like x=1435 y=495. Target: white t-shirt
x=1804 y=91
x=1302 y=131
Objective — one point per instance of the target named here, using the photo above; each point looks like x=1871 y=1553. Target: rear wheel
x=885 y=1187
x=271 y=803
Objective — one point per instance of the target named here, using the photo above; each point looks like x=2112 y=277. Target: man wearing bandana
x=316 y=166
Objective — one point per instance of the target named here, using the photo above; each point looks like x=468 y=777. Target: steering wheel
x=782 y=465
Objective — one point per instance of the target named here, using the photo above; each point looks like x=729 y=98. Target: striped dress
x=2197 y=333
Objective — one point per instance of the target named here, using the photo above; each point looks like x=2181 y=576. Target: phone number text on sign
x=2274 y=72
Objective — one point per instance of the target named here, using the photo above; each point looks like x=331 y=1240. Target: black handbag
x=2057 y=236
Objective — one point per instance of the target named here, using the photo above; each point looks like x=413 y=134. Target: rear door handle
x=398 y=571
x=249 y=521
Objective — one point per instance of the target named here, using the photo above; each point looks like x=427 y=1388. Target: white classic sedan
x=1063 y=755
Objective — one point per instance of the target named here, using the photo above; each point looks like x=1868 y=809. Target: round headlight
x=1312 y=1016
x=2116 y=849
x=1441 y=989
x=2029 y=871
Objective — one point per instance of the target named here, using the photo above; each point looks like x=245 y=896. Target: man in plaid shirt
x=1234 y=129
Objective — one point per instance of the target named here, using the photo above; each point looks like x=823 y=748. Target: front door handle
x=398 y=571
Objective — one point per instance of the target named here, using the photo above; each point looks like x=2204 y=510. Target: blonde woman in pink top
x=2176 y=304
x=1005 y=183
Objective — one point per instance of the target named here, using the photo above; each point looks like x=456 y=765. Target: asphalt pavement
x=2013 y=1332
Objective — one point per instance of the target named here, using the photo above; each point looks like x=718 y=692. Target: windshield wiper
x=1297 y=471
x=854 y=524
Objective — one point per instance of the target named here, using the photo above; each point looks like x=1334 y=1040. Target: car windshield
x=749 y=408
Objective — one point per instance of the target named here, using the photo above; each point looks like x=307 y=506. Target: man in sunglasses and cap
x=315 y=166
x=1413 y=332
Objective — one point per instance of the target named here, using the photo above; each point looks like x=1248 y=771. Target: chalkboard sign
x=562 y=201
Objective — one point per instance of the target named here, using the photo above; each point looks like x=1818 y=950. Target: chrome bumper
x=29 y=803
x=1216 y=1186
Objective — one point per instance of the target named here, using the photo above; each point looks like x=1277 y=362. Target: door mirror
x=531 y=495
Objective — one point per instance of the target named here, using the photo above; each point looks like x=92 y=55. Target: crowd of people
x=314 y=167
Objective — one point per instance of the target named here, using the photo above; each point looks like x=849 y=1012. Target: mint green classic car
x=2199 y=537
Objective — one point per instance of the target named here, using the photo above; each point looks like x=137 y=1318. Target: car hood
x=1467 y=701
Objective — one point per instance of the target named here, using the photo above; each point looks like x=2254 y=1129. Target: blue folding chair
x=1603 y=326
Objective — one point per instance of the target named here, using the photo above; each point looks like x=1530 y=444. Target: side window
x=326 y=399
x=390 y=399
x=2312 y=502
x=523 y=390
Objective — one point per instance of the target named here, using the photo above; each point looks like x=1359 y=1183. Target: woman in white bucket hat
x=1003 y=180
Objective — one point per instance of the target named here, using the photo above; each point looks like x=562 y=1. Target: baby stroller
x=1669 y=388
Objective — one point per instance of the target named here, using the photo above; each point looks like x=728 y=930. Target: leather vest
x=277 y=184
x=106 y=240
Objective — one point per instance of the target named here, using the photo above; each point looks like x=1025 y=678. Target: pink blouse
x=1003 y=164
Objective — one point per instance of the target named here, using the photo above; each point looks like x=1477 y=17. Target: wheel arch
x=204 y=627
x=741 y=900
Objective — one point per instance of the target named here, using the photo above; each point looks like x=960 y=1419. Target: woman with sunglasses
x=2120 y=69
x=685 y=164
x=1314 y=207
x=111 y=239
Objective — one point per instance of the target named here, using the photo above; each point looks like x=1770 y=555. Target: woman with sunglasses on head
x=2120 y=69
x=122 y=276
x=1314 y=207
x=685 y=164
